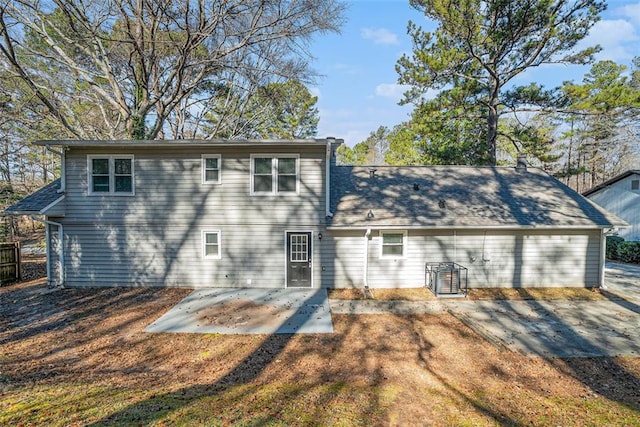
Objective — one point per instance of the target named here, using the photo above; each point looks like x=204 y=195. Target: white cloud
x=631 y=11
x=380 y=36
x=315 y=91
x=346 y=68
x=395 y=91
x=391 y=90
x=613 y=36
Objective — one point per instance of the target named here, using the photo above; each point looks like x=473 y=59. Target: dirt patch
x=79 y=357
x=238 y=313
x=409 y=294
x=570 y=294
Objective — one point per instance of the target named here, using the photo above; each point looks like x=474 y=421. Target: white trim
x=203 y=167
x=286 y=258
x=203 y=235
x=603 y=258
x=50 y=205
x=327 y=180
x=365 y=277
x=274 y=174
x=404 y=243
x=62 y=273
x=468 y=227
x=111 y=158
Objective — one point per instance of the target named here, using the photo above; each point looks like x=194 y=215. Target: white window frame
x=404 y=243
x=274 y=174
x=112 y=184
x=204 y=243
x=204 y=169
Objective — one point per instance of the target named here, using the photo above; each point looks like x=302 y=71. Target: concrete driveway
x=563 y=328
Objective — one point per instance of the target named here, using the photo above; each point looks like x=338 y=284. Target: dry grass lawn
x=79 y=357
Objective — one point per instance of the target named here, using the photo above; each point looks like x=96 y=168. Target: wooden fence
x=9 y=262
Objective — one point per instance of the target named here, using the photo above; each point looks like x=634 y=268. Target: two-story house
x=280 y=213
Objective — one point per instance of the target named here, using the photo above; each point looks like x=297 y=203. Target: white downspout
x=365 y=272
x=603 y=256
x=327 y=178
x=455 y=246
x=48 y=250
x=63 y=174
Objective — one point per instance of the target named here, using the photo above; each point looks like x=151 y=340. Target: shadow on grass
x=242 y=384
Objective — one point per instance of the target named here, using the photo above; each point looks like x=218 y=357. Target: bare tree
x=123 y=68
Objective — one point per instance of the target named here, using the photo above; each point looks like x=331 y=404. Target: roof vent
x=370 y=214
x=442 y=203
x=521 y=163
x=416 y=187
x=372 y=173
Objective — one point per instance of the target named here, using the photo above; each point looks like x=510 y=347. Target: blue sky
x=358 y=90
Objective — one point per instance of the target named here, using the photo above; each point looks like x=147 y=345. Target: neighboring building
x=621 y=196
x=280 y=213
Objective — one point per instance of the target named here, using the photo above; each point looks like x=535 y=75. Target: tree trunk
x=492 y=121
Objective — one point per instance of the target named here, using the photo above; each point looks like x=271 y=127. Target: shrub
x=629 y=252
x=613 y=243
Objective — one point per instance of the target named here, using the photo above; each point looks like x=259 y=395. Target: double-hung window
x=393 y=244
x=277 y=174
x=211 y=244
x=211 y=171
x=111 y=174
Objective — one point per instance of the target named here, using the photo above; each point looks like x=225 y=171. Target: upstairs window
x=211 y=169
x=393 y=244
x=635 y=184
x=111 y=175
x=274 y=174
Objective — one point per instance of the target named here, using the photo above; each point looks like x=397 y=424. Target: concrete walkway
x=541 y=328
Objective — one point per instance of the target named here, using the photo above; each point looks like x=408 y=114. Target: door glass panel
x=299 y=247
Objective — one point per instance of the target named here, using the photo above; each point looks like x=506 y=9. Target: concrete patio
x=249 y=311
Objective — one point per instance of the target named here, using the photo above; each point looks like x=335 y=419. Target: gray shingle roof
x=459 y=196
x=34 y=203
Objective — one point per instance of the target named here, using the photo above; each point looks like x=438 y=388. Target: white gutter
x=365 y=272
x=327 y=178
x=63 y=180
x=48 y=250
x=466 y=227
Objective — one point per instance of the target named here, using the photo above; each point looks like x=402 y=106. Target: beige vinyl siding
x=509 y=258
